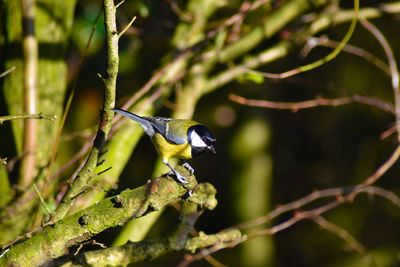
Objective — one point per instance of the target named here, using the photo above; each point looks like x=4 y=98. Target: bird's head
x=200 y=139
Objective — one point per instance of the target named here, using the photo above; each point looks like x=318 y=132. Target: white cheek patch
x=196 y=140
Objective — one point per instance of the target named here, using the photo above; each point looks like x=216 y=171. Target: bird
x=175 y=138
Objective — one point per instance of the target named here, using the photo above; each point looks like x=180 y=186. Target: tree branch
x=30 y=52
x=106 y=116
x=54 y=239
x=393 y=69
x=318 y=102
x=27 y=116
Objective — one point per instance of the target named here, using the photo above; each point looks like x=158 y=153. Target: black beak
x=212 y=149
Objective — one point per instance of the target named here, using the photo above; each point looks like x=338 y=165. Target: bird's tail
x=145 y=124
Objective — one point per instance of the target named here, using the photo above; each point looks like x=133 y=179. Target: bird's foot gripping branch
x=54 y=240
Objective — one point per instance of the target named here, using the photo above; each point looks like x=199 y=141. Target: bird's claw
x=188 y=167
x=178 y=176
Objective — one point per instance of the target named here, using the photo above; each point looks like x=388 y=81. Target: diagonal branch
x=342 y=233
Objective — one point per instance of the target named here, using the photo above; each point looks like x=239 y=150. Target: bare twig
x=244 y=9
x=79 y=155
x=90 y=242
x=154 y=79
x=342 y=233
x=321 y=61
x=119 y=4
x=7 y=72
x=127 y=27
x=181 y=14
x=42 y=200
x=393 y=69
x=27 y=116
x=206 y=252
x=319 y=101
x=342 y=195
x=150 y=83
x=163 y=88
x=213 y=261
x=388 y=132
x=325 y=41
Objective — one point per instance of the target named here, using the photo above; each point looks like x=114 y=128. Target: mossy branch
x=54 y=239
x=175 y=240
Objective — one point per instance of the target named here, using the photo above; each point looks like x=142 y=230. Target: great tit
x=175 y=138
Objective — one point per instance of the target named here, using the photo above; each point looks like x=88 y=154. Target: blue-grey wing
x=164 y=125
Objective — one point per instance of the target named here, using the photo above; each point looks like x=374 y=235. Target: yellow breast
x=167 y=150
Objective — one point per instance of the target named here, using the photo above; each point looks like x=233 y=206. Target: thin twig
x=42 y=200
x=119 y=4
x=210 y=259
x=127 y=27
x=183 y=54
x=181 y=14
x=7 y=72
x=27 y=116
x=79 y=155
x=205 y=252
x=388 y=132
x=90 y=242
x=351 y=49
x=154 y=79
x=321 y=61
x=238 y=16
x=393 y=69
x=342 y=233
x=319 y=101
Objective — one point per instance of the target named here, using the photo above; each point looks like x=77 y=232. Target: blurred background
x=265 y=157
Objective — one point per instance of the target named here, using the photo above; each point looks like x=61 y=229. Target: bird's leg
x=188 y=167
x=178 y=176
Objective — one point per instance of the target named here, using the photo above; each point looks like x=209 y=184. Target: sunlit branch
x=127 y=27
x=7 y=72
x=30 y=55
x=27 y=116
